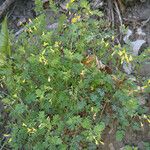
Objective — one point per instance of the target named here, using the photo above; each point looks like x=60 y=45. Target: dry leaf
x=89 y=60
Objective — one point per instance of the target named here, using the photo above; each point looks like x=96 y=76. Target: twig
x=110 y=12
x=11 y=11
x=97 y=4
x=98 y=63
x=20 y=31
x=3 y=145
x=118 y=12
x=145 y=22
x=103 y=109
x=4 y=6
x=121 y=6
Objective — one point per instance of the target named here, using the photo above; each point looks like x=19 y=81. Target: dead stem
x=118 y=12
x=5 y=6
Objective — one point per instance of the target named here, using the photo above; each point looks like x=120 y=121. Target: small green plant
x=128 y=147
x=119 y=135
x=147 y=145
x=57 y=95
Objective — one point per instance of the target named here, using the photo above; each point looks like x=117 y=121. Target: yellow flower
x=75 y=19
x=31 y=130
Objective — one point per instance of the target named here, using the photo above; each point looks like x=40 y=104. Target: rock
x=52 y=26
x=140 y=31
x=142 y=100
x=128 y=34
x=136 y=46
x=111 y=130
x=64 y=5
x=97 y=4
x=111 y=146
x=141 y=145
x=144 y=15
x=127 y=68
x=145 y=69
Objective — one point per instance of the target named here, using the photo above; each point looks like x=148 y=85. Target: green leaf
x=99 y=128
x=94 y=97
x=57 y=140
x=128 y=147
x=74 y=120
x=38 y=92
x=38 y=6
x=120 y=135
x=19 y=109
x=86 y=123
x=31 y=97
x=84 y=3
x=78 y=56
x=81 y=105
x=4 y=39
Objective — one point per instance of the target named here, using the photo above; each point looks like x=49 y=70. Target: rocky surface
x=138 y=16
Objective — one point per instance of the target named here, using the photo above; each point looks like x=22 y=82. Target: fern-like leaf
x=4 y=40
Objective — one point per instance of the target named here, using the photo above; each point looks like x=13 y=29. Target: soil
x=20 y=12
x=23 y=10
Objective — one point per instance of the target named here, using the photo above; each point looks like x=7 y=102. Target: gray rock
x=111 y=146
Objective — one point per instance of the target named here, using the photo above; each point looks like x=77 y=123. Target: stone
x=142 y=100
x=136 y=46
x=145 y=69
x=111 y=146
